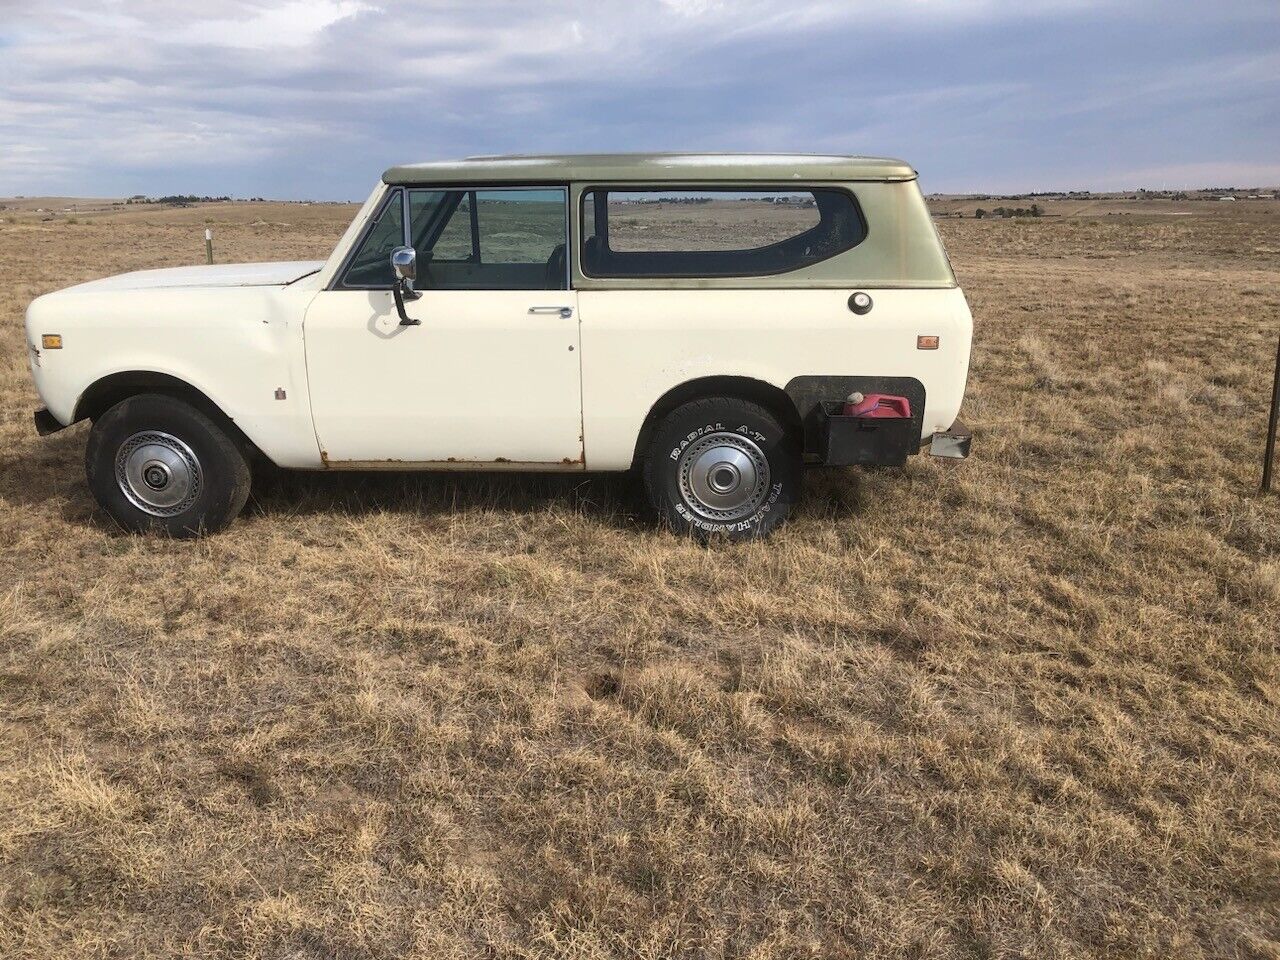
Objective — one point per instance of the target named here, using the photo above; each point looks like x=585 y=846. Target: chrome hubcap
x=724 y=476
x=158 y=473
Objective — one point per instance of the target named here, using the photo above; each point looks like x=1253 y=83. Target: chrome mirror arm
x=404 y=264
x=402 y=291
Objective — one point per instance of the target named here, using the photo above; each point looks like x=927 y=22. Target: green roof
x=645 y=167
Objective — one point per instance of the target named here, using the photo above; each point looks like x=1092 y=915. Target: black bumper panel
x=46 y=423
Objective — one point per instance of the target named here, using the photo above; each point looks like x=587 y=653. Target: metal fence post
x=208 y=246
x=1269 y=456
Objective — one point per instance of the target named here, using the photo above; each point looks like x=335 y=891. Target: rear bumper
x=952 y=443
x=47 y=423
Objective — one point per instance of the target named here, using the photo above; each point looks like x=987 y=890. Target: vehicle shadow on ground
x=37 y=470
x=612 y=499
x=843 y=491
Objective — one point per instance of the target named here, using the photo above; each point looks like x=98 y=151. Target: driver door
x=491 y=375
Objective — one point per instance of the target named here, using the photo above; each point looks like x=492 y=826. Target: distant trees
x=647 y=200
x=176 y=199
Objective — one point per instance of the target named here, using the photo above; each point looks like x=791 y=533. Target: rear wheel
x=156 y=463
x=722 y=466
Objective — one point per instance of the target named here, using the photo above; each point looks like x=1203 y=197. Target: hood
x=219 y=275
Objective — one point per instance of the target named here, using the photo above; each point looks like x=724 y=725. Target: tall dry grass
x=1020 y=706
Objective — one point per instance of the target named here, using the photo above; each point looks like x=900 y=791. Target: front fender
x=241 y=348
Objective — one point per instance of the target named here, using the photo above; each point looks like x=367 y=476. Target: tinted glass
x=520 y=226
x=371 y=266
x=453 y=242
x=714 y=233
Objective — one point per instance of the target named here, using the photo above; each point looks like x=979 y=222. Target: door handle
x=565 y=312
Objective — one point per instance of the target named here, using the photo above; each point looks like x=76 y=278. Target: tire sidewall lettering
x=693 y=435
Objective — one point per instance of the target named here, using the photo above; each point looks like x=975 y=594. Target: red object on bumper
x=879 y=406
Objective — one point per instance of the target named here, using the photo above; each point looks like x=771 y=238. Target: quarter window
x=715 y=233
x=371 y=265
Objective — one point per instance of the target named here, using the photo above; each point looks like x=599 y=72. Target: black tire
x=139 y=464
x=756 y=458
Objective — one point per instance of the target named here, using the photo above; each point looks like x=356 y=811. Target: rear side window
x=725 y=232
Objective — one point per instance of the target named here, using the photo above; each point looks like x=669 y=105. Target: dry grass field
x=1021 y=706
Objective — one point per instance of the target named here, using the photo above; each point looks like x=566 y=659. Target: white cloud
x=263 y=92
x=292 y=24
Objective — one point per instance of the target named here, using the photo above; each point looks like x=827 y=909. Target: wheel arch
x=105 y=392
x=772 y=398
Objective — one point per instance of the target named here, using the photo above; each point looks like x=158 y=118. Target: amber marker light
x=51 y=341
x=926 y=343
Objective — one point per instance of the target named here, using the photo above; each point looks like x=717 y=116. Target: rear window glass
x=714 y=233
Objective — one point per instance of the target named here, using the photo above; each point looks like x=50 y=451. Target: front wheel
x=722 y=466
x=156 y=463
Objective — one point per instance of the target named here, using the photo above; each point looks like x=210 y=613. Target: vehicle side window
x=520 y=226
x=722 y=232
x=442 y=224
x=371 y=265
x=503 y=239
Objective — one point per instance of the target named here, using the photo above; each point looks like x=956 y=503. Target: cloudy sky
x=313 y=98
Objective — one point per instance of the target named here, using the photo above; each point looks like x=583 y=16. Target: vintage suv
x=703 y=319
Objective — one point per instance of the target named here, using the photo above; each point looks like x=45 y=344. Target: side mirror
x=404 y=261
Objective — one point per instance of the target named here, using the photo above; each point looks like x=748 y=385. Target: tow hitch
x=952 y=443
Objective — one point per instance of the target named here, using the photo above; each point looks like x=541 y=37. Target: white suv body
x=561 y=312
